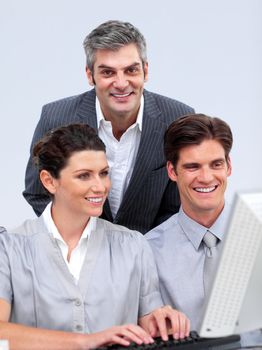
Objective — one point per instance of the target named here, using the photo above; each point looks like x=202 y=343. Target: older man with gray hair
x=130 y=120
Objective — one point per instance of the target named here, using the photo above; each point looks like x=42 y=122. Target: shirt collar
x=49 y=222
x=195 y=231
x=101 y=118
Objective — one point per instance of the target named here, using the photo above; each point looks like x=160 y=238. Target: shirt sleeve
x=150 y=297
x=5 y=272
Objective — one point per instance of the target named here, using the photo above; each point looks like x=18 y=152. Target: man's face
x=119 y=78
x=201 y=176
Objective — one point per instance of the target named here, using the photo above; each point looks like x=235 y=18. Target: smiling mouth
x=205 y=189
x=94 y=199
x=121 y=95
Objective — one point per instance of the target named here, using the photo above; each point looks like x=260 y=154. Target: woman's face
x=83 y=185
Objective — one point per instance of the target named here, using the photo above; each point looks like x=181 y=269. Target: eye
x=83 y=176
x=104 y=173
x=191 y=167
x=218 y=164
x=133 y=70
x=107 y=73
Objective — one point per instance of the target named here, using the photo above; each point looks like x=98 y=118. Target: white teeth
x=121 y=95
x=95 y=200
x=205 y=189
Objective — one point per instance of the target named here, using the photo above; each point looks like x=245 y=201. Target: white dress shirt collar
x=195 y=231
x=79 y=252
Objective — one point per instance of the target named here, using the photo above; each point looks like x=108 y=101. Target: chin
x=95 y=213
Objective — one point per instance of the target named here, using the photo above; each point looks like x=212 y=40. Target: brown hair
x=192 y=129
x=52 y=152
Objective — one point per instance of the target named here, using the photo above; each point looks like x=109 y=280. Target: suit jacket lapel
x=150 y=152
x=87 y=109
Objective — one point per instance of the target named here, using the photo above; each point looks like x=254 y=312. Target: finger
x=105 y=338
x=116 y=339
x=177 y=321
x=184 y=325
x=173 y=316
x=136 y=334
x=153 y=328
x=187 y=330
x=141 y=333
x=160 y=319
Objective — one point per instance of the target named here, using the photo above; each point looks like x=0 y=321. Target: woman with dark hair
x=68 y=278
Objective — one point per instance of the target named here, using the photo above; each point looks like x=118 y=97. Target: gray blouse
x=118 y=282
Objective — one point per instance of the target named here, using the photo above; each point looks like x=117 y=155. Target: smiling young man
x=197 y=151
x=130 y=120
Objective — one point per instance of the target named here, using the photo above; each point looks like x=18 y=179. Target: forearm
x=22 y=337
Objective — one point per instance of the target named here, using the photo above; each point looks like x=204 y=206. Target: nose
x=205 y=175
x=98 y=185
x=120 y=81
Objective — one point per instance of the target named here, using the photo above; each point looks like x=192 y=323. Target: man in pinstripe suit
x=130 y=120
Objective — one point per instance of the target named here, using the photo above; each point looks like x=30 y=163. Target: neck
x=119 y=127
x=121 y=122
x=70 y=226
x=203 y=217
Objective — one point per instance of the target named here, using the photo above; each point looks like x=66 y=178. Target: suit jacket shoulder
x=78 y=108
x=168 y=108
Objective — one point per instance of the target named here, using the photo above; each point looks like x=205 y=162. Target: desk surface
x=252 y=340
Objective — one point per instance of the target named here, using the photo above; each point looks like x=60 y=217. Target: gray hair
x=112 y=35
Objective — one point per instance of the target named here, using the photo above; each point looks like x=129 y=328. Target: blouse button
x=78 y=302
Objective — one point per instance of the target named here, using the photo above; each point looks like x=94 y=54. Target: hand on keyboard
x=121 y=335
x=192 y=342
x=164 y=321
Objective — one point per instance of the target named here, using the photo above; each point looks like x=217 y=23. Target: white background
x=205 y=53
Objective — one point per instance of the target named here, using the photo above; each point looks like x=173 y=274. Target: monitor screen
x=234 y=304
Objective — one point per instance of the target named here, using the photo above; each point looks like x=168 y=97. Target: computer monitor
x=234 y=304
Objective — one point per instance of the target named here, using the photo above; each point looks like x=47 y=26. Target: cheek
x=139 y=82
x=186 y=179
x=107 y=184
x=102 y=85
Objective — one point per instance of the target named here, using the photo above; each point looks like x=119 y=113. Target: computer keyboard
x=193 y=342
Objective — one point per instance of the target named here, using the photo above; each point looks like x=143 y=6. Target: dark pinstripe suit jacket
x=150 y=197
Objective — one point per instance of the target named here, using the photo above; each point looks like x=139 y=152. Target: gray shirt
x=180 y=254
x=117 y=284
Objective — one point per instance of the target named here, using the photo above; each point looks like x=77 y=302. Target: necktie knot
x=210 y=240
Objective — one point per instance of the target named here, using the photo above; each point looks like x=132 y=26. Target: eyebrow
x=89 y=170
x=219 y=160
x=104 y=66
x=186 y=165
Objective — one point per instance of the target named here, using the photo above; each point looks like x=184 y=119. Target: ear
x=229 y=166
x=145 y=71
x=48 y=181
x=171 y=171
x=89 y=76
